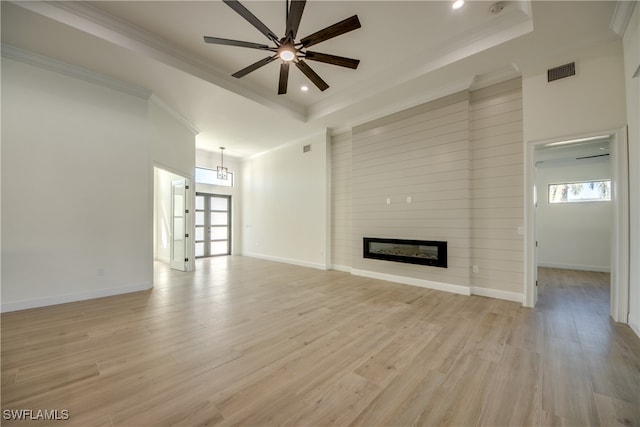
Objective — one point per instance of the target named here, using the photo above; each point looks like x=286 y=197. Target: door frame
x=229 y=221
x=620 y=223
x=182 y=263
x=190 y=192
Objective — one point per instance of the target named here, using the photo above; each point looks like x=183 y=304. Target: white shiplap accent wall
x=422 y=153
x=341 y=201
x=497 y=188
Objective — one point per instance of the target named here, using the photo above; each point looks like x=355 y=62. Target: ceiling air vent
x=561 y=72
x=306 y=148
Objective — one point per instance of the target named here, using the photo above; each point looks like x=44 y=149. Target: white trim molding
x=80 y=296
x=438 y=286
x=54 y=65
x=598 y=268
x=622 y=16
x=497 y=294
x=620 y=221
x=301 y=263
x=343 y=268
x=179 y=117
x=92 y=20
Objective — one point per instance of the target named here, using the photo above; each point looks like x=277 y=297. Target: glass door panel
x=178 y=225
x=213 y=222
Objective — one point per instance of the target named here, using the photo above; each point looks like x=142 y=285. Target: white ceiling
x=410 y=52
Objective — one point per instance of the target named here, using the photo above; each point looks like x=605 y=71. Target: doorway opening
x=574 y=216
x=172 y=219
x=588 y=171
x=212 y=225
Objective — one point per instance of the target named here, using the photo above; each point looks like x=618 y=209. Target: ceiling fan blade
x=251 y=18
x=254 y=66
x=332 y=59
x=311 y=75
x=294 y=17
x=332 y=31
x=284 y=78
x=228 y=42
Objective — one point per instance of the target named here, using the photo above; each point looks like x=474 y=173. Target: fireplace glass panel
x=403 y=249
x=423 y=252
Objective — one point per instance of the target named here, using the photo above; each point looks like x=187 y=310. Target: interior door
x=212 y=225
x=179 y=224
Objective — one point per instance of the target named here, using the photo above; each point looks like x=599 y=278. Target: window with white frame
x=586 y=191
x=210 y=176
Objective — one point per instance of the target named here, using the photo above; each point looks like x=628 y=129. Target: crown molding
x=516 y=23
x=503 y=74
x=88 y=18
x=155 y=99
x=322 y=133
x=47 y=63
x=622 y=16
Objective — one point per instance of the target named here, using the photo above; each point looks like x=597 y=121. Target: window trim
x=216 y=181
x=607 y=197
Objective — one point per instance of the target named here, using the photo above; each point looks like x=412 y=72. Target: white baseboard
x=439 y=286
x=344 y=268
x=163 y=259
x=599 y=268
x=498 y=294
x=63 y=299
x=301 y=263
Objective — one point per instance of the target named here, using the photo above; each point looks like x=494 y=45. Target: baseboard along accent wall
x=449 y=170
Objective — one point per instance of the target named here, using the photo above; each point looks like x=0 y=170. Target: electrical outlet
x=475 y=269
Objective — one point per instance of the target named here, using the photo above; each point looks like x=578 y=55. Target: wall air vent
x=561 y=72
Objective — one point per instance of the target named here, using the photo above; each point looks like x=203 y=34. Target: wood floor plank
x=250 y=342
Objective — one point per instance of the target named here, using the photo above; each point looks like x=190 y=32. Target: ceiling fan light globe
x=286 y=55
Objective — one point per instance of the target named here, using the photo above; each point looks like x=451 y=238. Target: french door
x=179 y=224
x=213 y=225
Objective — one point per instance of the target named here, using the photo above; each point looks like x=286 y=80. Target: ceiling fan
x=287 y=49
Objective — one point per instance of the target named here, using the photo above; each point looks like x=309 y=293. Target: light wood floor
x=249 y=342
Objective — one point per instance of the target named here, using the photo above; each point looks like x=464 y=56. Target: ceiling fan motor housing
x=286 y=47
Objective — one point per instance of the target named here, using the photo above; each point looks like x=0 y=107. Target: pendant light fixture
x=222 y=171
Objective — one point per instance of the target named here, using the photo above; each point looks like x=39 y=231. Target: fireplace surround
x=423 y=252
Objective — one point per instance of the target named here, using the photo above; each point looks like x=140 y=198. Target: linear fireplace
x=424 y=252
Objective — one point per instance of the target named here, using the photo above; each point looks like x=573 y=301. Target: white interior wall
x=587 y=104
x=76 y=218
x=82 y=147
x=341 y=195
x=631 y=45
x=591 y=101
x=285 y=203
x=573 y=235
x=172 y=138
x=172 y=149
x=210 y=160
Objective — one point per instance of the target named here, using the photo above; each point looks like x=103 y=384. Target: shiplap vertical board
x=497 y=176
x=341 y=200
x=422 y=153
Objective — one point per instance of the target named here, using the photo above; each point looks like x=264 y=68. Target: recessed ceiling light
x=304 y=88
x=457 y=4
